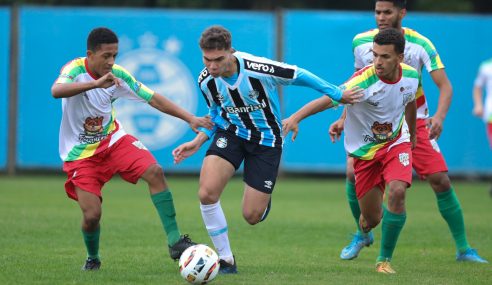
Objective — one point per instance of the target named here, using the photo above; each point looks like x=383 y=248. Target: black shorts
x=260 y=162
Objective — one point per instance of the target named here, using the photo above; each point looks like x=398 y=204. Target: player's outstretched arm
x=165 y=105
x=65 y=90
x=445 y=94
x=187 y=149
x=411 y=118
x=291 y=124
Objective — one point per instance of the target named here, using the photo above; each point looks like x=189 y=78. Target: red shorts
x=427 y=157
x=489 y=133
x=387 y=165
x=124 y=157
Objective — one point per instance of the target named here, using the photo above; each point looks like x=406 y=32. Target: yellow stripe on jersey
x=70 y=71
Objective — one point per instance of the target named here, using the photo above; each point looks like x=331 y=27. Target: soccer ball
x=199 y=264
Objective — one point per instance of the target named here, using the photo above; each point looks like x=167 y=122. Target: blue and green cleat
x=358 y=242
x=470 y=255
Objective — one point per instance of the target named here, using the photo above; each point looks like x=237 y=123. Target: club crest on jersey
x=93 y=125
x=382 y=131
x=220 y=97
x=404 y=158
x=93 y=131
x=221 y=142
x=253 y=94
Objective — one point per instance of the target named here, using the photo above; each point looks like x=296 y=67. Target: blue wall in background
x=4 y=87
x=321 y=42
x=159 y=47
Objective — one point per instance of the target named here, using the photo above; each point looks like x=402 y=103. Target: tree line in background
x=456 y=6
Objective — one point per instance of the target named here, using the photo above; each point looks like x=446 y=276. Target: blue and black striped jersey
x=250 y=106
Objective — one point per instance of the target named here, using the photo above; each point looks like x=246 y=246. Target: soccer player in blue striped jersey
x=241 y=92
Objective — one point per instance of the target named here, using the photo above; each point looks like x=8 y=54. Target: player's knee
x=439 y=182
x=91 y=219
x=207 y=196
x=252 y=217
x=155 y=175
x=396 y=198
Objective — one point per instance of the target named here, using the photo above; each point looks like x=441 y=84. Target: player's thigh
x=224 y=156
x=371 y=205
x=89 y=203
x=88 y=174
x=214 y=175
x=131 y=159
x=254 y=202
x=368 y=175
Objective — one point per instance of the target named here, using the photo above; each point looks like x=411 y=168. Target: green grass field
x=299 y=243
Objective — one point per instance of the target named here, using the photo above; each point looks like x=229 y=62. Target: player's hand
x=478 y=111
x=335 y=130
x=107 y=80
x=435 y=126
x=290 y=125
x=413 y=141
x=184 y=151
x=197 y=122
x=352 y=95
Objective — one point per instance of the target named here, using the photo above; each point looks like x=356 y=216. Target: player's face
x=217 y=61
x=388 y=15
x=387 y=61
x=102 y=60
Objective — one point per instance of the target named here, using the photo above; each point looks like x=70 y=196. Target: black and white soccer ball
x=199 y=264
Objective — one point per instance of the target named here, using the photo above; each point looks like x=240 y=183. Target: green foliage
x=299 y=243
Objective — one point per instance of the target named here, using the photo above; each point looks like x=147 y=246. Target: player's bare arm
x=65 y=90
x=165 y=105
x=445 y=94
x=477 y=102
x=411 y=118
x=187 y=149
x=291 y=124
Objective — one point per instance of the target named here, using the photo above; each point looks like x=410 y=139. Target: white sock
x=216 y=224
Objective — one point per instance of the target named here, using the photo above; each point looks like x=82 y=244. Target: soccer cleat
x=470 y=255
x=267 y=210
x=227 y=268
x=180 y=246
x=91 y=264
x=384 y=267
x=358 y=242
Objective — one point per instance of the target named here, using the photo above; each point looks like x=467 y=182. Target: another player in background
x=379 y=137
x=241 y=92
x=94 y=146
x=484 y=81
x=428 y=161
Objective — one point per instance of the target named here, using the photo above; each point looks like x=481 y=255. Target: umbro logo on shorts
x=221 y=142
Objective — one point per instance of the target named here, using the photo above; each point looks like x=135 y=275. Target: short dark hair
x=402 y=4
x=99 y=36
x=216 y=37
x=393 y=37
